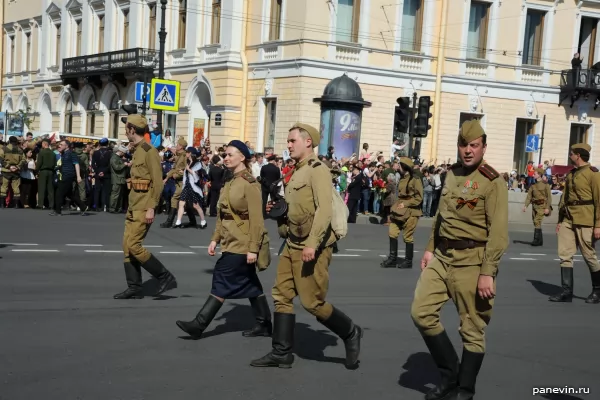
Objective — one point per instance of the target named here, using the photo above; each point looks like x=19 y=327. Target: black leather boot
x=594 y=297
x=191 y=213
x=263 y=326
x=340 y=324
x=537 y=238
x=283 y=340
x=446 y=360
x=2 y=202
x=133 y=276
x=170 y=219
x=408 y=260
x=566 y=296
x=198 y=325
x=467 y=375
x=392 y=259
x=166 y=280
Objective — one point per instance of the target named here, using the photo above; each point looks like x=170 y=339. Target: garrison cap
x=136 y=120
x=540 y=171
x=313 y=132
x=407 y=161
x=182 y=142
x=582 y=146
x=241 y=146
x=470 y=130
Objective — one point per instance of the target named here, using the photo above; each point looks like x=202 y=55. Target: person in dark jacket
x=45 y=164
x=355 y=193
x=215 y=177
x=269 y=174
x=101 y=167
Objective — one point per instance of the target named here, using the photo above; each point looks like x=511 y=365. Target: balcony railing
x=136 y=59
x=577 y=82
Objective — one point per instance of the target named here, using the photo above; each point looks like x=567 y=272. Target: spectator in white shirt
x=396 y=146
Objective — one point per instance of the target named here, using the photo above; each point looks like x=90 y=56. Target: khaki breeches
x=440 y=282
x=570 y=238
x=537 y=215
x=406 y=227
x=309 y=280
x=176 y=195
x=15 y=181
x=136 y=230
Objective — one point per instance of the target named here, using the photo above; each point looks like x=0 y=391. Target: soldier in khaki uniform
x=469 y=236
x=579 y=223
x=405 y=215
x=118 y=172
x=540 y=196
x=84 y=169
x=234 y=275
x=12 y=160
x=177 y=174
x=305 y=258
x=146 y=189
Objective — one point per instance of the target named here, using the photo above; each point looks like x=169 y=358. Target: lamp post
x=162 y=36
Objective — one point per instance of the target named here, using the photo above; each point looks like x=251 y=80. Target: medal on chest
x=469 y=184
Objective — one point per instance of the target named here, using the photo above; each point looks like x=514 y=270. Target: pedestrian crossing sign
x=164 y=95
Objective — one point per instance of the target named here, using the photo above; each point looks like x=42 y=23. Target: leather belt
x=229 y=217
x=445 y=244
x=295 y=238
x=580 y=203
x=538 y=202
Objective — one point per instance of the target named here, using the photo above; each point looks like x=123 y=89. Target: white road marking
x=198 y=247
x=346 y=255
x=103 y=251
x=356 y=250
x=533 y=254
x=177 y=252
x=35 y=250
x=151 y=246
x=558 y=259
x=85 y=245
x=523 y=259
x=20 y=244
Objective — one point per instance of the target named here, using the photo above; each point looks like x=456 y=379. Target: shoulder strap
x=146 y=146
x=248 y=177
x=594 y=169
x=236 y=218
x=489 y=172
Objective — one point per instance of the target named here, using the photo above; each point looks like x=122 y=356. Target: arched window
x=68 y=115
x=91 y=116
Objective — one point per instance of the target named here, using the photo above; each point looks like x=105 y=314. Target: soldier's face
x=298 y=146
x=472 y=153
x=233 y=157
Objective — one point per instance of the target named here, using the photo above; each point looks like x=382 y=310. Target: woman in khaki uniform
x=234 y=276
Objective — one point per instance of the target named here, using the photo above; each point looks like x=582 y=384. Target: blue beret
x=103 y=141
x=241 y=146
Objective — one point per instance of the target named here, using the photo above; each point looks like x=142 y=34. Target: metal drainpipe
x=244 y=71
x=438 y=82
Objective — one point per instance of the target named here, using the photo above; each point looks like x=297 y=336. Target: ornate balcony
x=575 y=83
x=114 y=64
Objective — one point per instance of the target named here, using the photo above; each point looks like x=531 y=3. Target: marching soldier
x=304 y=261
x=118 y=172
x=405 y=215
x=12 y=160
x=579 y=223
x=84 y=163
x=468 y=238
x=45 y=164
x=540 y=196
x=146 y=189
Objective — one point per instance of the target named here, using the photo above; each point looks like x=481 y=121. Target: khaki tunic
x=410 y=193
x=242 y=196
x=11 y=156
x=540 y=196
x=180 y=164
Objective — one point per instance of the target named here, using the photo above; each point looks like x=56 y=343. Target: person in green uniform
x=12 y=161
x=240 y=228
x=118 y=171
x=303 y=268
x=176 y=173
x=468 y=239
x=579 y=223
x=540 y=197
x=45 y=164
x=146 y=189
x=405 y=215
x=84 y=163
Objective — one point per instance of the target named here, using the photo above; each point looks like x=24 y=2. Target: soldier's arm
x=417 y=199
x=561 y=208
x=216 y=236
x=255 y=216
x=548 y=196
x=156 y=186
x=528 y=198
x=596 y=197
x=496 y=211
x=117 y=164
x=431 y=243
x=321 y=188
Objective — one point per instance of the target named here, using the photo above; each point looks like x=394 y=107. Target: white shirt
x=256 y=169
x=395 y=148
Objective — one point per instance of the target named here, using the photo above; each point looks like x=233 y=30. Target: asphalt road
x=63 y=337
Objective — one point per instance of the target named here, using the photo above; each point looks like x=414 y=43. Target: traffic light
x=402 y=115
x=423 y=115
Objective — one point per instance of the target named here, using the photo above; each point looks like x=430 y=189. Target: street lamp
x=162 y=36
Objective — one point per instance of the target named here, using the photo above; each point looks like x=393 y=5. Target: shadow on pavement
x=3 y=246
x=310 y=344
x=208 y=271
x=548 y=289
x=150 y=287
x=420 y=371
x=553 y=396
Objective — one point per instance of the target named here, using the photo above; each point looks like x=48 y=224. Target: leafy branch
x=24 y=115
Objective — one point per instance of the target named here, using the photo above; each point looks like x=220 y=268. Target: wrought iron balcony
x=115 y=63
x=575 y=83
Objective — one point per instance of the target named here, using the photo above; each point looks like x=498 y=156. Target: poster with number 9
x=346 y=133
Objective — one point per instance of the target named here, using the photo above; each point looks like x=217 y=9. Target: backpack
x=339 y=217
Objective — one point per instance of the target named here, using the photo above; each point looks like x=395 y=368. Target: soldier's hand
x=547 y=211
x=150 y=216
x=269 y=207
x=211 y=248
x=427 y=257
x=485 y=287
x=596 y=233
x=308 y=254
x=524 y=209
x=557 y=228
x=401 y=205
x=251 y=258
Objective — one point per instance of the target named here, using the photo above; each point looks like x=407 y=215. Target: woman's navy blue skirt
x=233 y=278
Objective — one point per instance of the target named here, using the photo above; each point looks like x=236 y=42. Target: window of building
x=523 y=128
x=12 y=62
x=579 y=134
x=412 y=25
x=534 y=36
x=348 y=17
x=215 y=34
x=182 y=23
x=28 y=51
x=91 y=117
x=152 y=27
x=69 y=116
x=125 y=29
x=270 y=118
x=275 y=20
x=78 y=38
x=101 y=33
x=172 y=125
x=478 y=30
x=58 y=40
x=587 y=41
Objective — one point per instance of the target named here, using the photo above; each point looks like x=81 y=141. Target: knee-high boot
x=262 y=313
x=198 y=325
x=594 y=297
x=445 y=358
x=392 y=259
x=283 y=341
x=467 y=375
x=408 y=259
x=170 y=219
x=566 y=296
x=340 y=324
